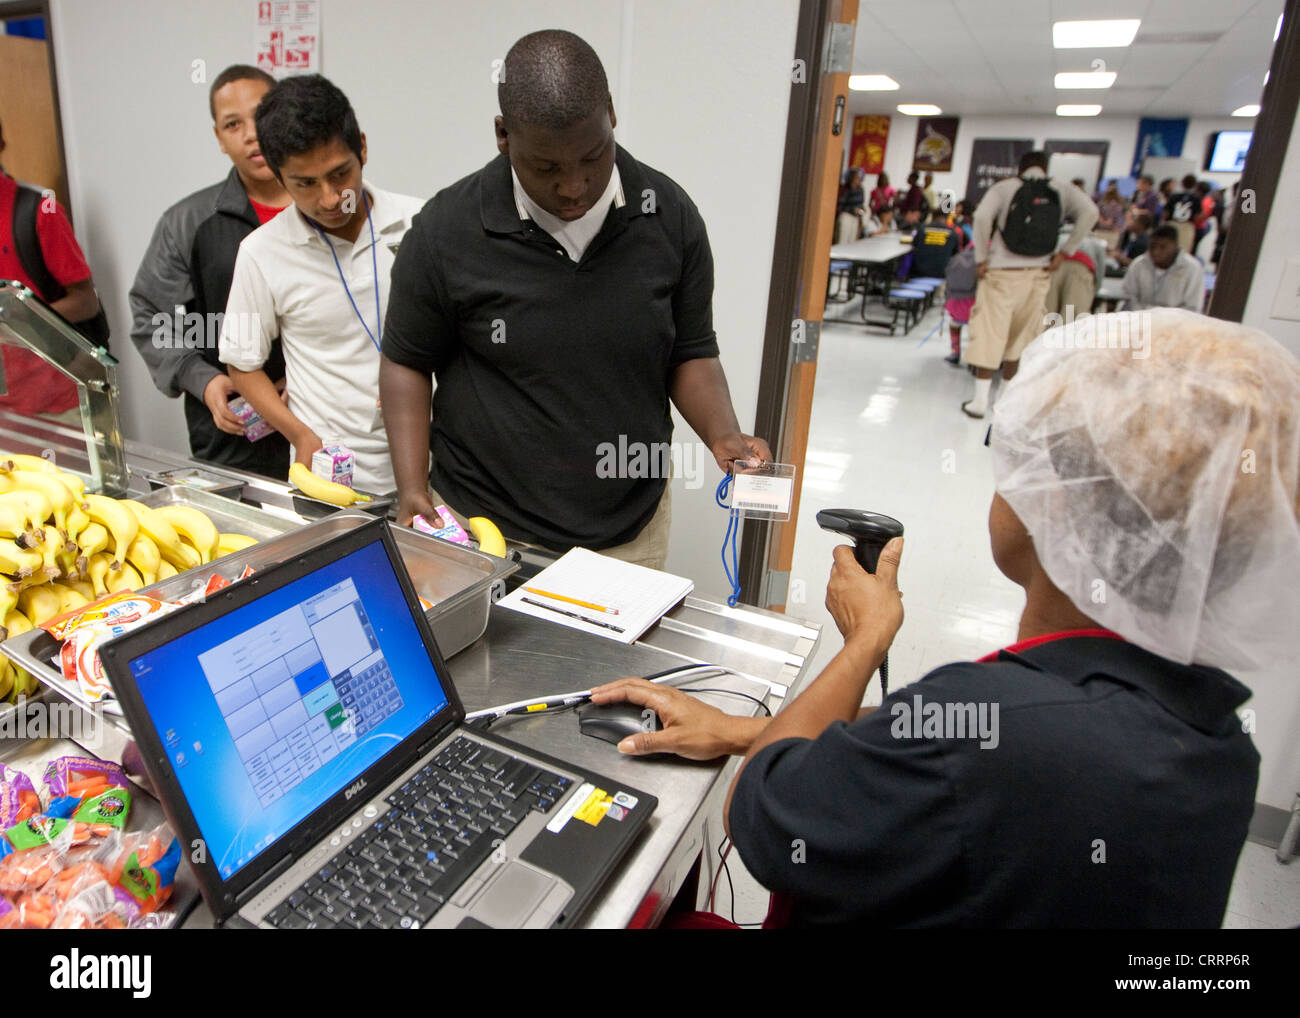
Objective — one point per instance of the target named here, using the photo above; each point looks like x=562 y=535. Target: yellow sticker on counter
x=594 y=808
x=535 y=706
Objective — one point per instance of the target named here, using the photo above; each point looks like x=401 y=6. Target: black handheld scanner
x=870 y=532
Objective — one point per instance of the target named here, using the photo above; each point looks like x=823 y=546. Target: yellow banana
x=7 y=678
x=226 y=543
x=143 y=554
x=8 y=599
x=125 y=578
x=77 y=522
x=325 y=491
x=83 y=588
x=69 y=597
x=166 y=570
x=15 y=624
x=164 y=535
x=56 y=493
x=67 y=560
x=97 y=570
x=117 y=518
x=50 y=551
x=11 y=461
x=193 y=526
x=94 y=538
x=74 y=484
x=32 y=505
x=489 y=538
x=18 y=561
x=39 y=603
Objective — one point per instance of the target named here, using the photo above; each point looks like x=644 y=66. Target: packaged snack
x=145 y=867
x=81 y=776
x=125 y=608
x=254 y=426
x=334 y=463
x=30 y=870
x=84 y=630
x=18 y=798
x=445 y=526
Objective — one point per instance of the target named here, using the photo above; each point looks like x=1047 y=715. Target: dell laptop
x=307 y=743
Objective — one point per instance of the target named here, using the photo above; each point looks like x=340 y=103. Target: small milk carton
x=254 y=426
x=334 y=463
x=445 y=527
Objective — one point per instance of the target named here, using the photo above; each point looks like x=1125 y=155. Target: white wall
x=1121 y=132
x=1277 y=692
x=701 y=92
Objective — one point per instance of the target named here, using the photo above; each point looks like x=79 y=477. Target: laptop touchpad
x=512 y=897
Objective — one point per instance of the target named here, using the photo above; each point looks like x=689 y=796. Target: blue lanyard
x=374 y=265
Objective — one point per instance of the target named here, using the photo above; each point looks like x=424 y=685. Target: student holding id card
x=317 y=277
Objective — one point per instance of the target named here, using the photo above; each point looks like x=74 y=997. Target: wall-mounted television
x=1226 y=152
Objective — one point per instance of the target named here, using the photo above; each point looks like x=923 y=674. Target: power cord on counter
x=481 y=719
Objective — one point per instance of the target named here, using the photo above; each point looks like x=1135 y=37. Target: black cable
x=729 y=692
x=724 y=847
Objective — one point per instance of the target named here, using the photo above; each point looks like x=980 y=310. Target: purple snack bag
x=18 y=798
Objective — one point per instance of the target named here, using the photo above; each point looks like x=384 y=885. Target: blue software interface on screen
x=268 y=711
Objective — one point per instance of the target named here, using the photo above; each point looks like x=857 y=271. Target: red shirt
x=33 y=386
x=265 y=213
x=1034 y=641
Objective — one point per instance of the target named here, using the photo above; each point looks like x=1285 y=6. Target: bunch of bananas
x=61 y=548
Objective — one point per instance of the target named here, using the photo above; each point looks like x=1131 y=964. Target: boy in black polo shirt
x=562 y=295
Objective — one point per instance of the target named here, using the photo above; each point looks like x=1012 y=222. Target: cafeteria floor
x=888 y=435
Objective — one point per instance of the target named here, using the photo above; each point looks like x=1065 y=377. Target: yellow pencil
x=572 y=600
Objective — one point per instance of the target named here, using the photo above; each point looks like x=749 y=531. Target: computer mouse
x=614 y=722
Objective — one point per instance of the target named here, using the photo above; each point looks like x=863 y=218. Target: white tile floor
x=888 y=435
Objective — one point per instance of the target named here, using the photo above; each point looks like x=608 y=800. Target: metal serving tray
x=229 y=516
x=457 y=580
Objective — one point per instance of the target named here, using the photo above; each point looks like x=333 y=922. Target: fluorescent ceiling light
x=1077 y=111
x=872 y=83
x=919 y=110
x=1246 y=111
x=1085 y=79
x=1093 y=34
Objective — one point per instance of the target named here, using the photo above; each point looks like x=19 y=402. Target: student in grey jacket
x=1165 y=277
x=183 y=282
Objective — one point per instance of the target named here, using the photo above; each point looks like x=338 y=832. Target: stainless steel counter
x=520 y=656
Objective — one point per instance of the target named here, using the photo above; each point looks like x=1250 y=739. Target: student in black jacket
x=184 y=278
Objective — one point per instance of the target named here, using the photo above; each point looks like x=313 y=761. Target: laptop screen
x=271 y=709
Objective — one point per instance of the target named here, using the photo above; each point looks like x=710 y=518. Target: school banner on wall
x=936 y=141
x=867 y=150
x=1159 y=138
x=991 y=159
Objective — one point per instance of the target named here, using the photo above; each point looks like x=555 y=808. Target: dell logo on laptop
x=354 y=789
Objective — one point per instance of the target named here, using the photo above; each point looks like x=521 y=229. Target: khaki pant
x=1007 y=315
x=1073 y=285
x=1186 y=236
x=649 y=548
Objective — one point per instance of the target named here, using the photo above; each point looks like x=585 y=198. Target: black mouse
x=614 y=722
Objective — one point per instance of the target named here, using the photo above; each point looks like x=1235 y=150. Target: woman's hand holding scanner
x=867 y=608
x=691 y=729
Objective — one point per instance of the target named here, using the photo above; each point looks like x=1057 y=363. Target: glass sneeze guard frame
x=27 y=322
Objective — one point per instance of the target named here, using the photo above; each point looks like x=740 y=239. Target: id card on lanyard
x=377 y=336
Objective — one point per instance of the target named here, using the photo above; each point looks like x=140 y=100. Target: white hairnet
x=1153 y=458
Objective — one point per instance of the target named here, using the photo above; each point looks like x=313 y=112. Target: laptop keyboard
x=442 y=823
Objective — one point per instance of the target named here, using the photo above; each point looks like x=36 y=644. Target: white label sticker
x=579 y=796
x=754 y=491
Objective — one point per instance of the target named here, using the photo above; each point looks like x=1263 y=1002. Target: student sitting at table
x=882 y=223
x=1165 y=277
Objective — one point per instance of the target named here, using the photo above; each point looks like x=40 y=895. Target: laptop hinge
x=437 y=737
x=282 y=864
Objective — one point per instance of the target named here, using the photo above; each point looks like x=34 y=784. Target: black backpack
x=1033 y=219
x=27 y=246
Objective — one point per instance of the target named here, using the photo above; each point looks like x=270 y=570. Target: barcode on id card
x=765 y=506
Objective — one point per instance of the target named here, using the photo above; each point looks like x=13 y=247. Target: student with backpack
x=39 y=250
x=1016 y=227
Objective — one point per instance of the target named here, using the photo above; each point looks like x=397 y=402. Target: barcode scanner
x=870 y=532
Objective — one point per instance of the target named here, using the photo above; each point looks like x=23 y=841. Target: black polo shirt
x=1117 y=794
x=552 y=375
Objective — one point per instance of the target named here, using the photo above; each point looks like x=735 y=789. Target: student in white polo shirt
x=317 y=277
